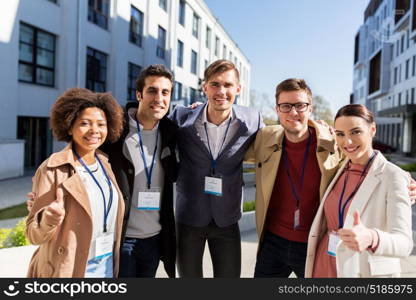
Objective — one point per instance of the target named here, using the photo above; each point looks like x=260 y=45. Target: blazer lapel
x=190 y=125
x=368 y=186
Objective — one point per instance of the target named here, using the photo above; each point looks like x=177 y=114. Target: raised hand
x=359 y=237
x=54 y=213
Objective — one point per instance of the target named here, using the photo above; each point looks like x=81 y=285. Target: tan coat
x=383 y=203
x=267 y=151
x=63 y=250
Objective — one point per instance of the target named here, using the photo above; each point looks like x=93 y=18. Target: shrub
x=4 y=232
x=409 y=167
x=16 y=236
x=249 y=206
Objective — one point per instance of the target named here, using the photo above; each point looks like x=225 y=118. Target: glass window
x=194 y=60
x=133 y=72
x=208 y=38
x=98 y=12
x=36 y=55
x=181 y=16
x=217 y=46
x=136 y=26
x=96 y=70
x=163 y=4
x=161 y=43
x=180 y=54
x=178 y=90
x=195 y=26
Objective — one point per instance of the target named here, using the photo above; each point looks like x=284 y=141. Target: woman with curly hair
x=78 y=210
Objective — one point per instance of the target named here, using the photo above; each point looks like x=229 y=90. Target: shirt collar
x=204 y=117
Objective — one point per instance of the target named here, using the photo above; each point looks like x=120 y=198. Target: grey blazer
x=193 y=206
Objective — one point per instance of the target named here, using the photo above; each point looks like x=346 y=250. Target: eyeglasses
x=287 y=107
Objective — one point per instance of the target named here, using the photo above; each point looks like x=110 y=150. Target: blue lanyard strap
x=341 y=208
x=295 y=194
x=146 y=169
x=110 y=202
x=214 y=161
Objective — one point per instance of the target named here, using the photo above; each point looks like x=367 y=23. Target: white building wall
x=74 y=33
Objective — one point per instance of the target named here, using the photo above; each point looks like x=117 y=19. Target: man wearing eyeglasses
x=295 y=162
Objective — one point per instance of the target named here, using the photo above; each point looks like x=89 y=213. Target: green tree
x=322 y=110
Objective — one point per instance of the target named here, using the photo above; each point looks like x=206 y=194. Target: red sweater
x=282 y=206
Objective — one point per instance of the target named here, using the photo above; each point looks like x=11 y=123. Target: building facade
x=385 y=70
x=48 y=46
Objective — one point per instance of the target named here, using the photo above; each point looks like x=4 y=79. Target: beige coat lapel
x=272 y=154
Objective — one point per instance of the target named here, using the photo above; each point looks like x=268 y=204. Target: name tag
x=296 y=221
x=333 y=243
x=213 y=186
x=149 y=200
x=104 y=245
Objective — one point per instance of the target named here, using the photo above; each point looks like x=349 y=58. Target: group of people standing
x=327 y=205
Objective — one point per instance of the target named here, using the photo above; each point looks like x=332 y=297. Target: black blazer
x=124 y=171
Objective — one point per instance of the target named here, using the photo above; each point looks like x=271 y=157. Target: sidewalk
x=10 y=268
x=13 y=191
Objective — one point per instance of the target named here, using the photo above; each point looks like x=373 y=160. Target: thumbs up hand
x=54 y=213
x=359 y=237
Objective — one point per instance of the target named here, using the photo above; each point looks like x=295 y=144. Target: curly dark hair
x=72 y=102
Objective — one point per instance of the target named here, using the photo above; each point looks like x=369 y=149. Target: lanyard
x=341 y=209
x=296 y=194
x=214 y=161
x=146 y=169
x=110 y=202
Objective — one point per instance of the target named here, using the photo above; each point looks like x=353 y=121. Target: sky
x=310 y=39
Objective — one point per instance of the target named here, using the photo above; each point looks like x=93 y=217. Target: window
x=407 y=97
x=407 y=69
x=397 y=47
x=178 y=90
x=161 y=43
x=163 y=4
x=230 y=57
x=400 y=73
x=96 y=70
x=402 y=43
x=205 y=64
x=402 y=7
x=192 y=95
x=224 y=52
x=136 y=26
x=217 y=46
x=408 y=39
x=375 y=68
x=194 y=59
x=180 y=54
x=195 y=26
x=400 y=99
x=134 y=71
x=182 y=12
x=36 y=56
x=356 y=47
x=98 y=12
x=412 y=96
x=208 y=38
x=414 y=65
x=395 y=75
